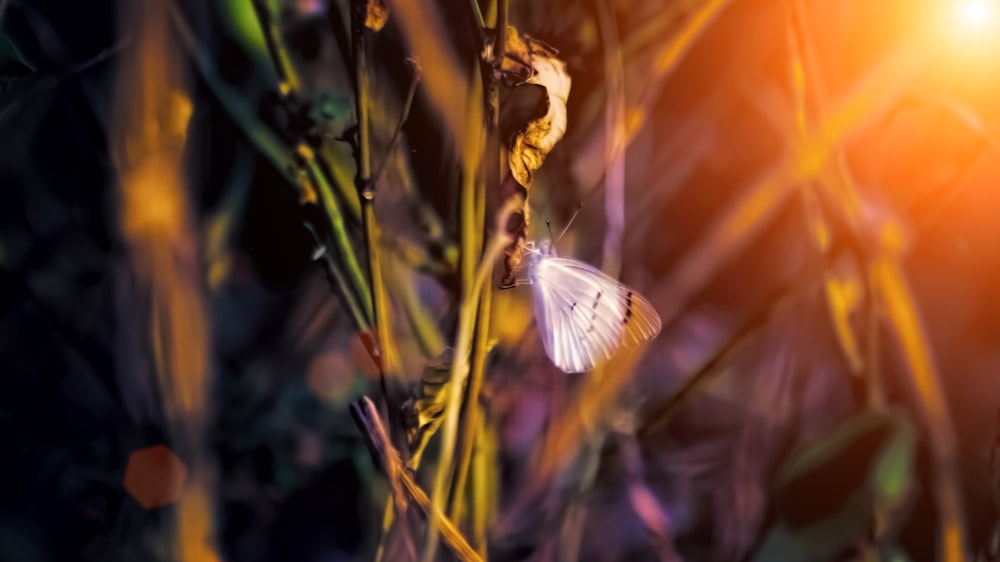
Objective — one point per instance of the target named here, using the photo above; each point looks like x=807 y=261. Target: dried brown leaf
x=424 y=411
x=529 y=61
x=377 y=15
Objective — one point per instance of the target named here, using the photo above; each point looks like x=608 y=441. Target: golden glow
x=964 y=44
x=976 y=15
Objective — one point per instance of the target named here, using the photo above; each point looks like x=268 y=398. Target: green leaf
x=893 y=553
x=894 y=469
x=333 y=110
x=826 y=495
x=240 y=21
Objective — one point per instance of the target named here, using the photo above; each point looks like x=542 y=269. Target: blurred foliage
x=827 y=495
x=806 y=195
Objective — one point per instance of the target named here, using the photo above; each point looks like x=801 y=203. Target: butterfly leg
x=516 y=283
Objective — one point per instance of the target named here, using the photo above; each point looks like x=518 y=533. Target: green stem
x=471 y=417
x=289 y=83
x=283 y=158
x=337 y=277
x=469 y=251
x=471 y=412
x=471 y=228
x=366 y=192
x=459 y=372
x=341 y=241
x=477 y=13
x=289 y=80
x=484 y=486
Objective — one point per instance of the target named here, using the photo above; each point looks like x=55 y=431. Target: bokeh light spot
x=154 y=476
x=330 y=377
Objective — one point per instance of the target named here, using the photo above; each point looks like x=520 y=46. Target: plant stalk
x=459 y=373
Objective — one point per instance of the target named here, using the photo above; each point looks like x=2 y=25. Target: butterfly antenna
x=548 y=225
x=568 y=224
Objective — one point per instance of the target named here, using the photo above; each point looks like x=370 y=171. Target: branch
x=366 y=416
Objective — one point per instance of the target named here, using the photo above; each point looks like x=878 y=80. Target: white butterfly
x=584 y=316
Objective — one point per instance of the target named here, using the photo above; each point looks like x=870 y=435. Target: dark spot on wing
x=572 y=306
x=628 y=307
x=597 y=299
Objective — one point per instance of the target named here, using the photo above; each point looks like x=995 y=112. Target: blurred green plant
x=827 y=494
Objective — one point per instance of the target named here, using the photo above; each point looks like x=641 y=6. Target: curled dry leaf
x=424 y=411
x=377 y=15
x=529 y=61
x=533 y=144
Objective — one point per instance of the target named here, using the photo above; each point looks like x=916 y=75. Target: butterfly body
x=584 y=316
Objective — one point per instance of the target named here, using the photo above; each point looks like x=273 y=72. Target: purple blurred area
x=751 y=319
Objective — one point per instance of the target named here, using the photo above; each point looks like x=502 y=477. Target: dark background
x=75 y=400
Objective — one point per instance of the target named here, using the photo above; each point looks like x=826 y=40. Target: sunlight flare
x=976 y=15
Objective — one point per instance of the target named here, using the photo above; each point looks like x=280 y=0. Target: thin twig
x=15 y=101
x=384 y=348
x=367 y=418
x=362 y=95
x=388 y=362
x=741 y=339
x=335 y=275
x=397 y=134
x=331 y=205
x=445 y=83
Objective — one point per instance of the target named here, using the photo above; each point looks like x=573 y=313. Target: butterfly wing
x=585 y=316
